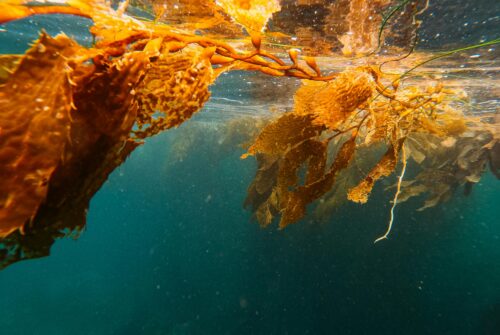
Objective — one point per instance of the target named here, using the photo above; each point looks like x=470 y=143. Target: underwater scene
x=217 y=167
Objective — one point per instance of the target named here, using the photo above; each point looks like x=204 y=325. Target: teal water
x=168 y=249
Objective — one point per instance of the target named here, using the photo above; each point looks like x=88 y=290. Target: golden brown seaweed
x=384 y=168
x=8 y=64
x=35 y=103
x=252 y=14
x=448 y=164
x=97 y=141
x=317 y=183
x=176 y=85
x=345 y=104
x=13 y=10
x=284 y=133
x=282 y=148
x=333 y=102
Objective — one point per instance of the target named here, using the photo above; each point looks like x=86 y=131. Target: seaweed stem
x=396 y=195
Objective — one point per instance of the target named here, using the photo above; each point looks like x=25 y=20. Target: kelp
x=33 y=128
x=384 y=168
x=251 y=14
x=356 y=103
x=8 y=63
x=363 y=24
x=283 y=134
x=333 y=102
x=317 y=182
x=445 y=165
x=15 y=9
x=355 y=28
x=200 y=14
x=176 y=86
x=69 y=141
x=69 y=115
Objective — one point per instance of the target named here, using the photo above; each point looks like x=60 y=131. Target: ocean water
x=169 y=249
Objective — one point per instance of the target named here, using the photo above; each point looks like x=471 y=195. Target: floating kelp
x=69 y=115
x=325 y=111
x=448 y=163
x=34 y=128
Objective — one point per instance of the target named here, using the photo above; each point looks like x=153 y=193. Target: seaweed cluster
x=355 y=110
x=69 y=115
